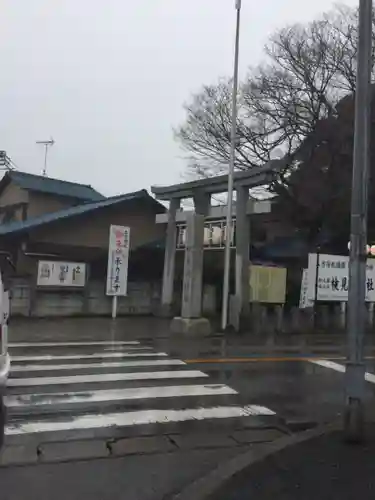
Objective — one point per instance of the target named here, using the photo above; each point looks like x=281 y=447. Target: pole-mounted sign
x=118 y=259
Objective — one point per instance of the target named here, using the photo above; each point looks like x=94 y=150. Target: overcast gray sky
x=107 y=79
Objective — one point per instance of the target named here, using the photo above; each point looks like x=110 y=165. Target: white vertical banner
x=312 y=278
x=118 y=260
x=304 y=301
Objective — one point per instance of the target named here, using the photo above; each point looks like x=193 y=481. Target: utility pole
x=355 y=368
x=46 y=144
x=229 y=218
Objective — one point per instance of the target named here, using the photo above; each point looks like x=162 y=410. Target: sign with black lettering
x=118 y=259
x=329 y=276
x=61 y=274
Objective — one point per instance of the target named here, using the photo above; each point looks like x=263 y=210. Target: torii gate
x=191 y=320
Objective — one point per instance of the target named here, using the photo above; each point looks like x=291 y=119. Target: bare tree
x=307 y=71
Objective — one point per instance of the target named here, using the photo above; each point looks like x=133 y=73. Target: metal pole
x=114 y=307
x=46 y=145
x=229 y=221
x=45 y=159
x=355 y=369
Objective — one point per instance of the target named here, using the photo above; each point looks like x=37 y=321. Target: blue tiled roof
x=21 y=226
x=54 y=186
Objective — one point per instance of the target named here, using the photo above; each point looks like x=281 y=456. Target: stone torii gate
x=191 y=320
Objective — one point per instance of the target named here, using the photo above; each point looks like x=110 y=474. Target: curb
x=205 y=486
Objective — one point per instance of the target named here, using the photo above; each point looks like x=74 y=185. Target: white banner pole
x=114 y=307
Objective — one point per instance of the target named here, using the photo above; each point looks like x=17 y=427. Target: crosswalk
x=112 y=386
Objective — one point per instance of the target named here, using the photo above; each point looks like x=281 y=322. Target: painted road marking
x=328 y=364
x=103 y=355
x=259 y=359
x=340 y=368
x=84 y=366
x=142 y=417
x=252 y=359
x=72 y=344
x=31 y=400
x=67 y=406
x=104 y=377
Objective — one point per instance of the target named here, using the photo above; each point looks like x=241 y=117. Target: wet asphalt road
x=274 y=374
x=343 y=471
x=270 y=372
x=142 y=477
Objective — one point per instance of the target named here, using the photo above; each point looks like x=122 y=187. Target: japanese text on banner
x=329 y=275
x=118 y=256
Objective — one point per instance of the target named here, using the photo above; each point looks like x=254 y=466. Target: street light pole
x=355 y=369
x=229 y=218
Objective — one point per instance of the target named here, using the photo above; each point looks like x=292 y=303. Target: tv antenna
x=6 y=163
x=46 y=144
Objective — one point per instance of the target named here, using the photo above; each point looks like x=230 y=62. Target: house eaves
x=24 y=226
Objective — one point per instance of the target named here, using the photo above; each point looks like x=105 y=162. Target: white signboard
x=61 y=274
x=118 y=259
x=304 y=302
x=332 y=280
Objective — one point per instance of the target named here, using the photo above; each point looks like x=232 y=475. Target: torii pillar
x=167 y=292
x=191 y=320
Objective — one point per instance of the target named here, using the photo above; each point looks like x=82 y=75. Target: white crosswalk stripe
x=18 y=345
x=102 y=355
x=104 y=377
x=27 y=400
x=80 y=386
x=102 y=366
x=142 y=417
